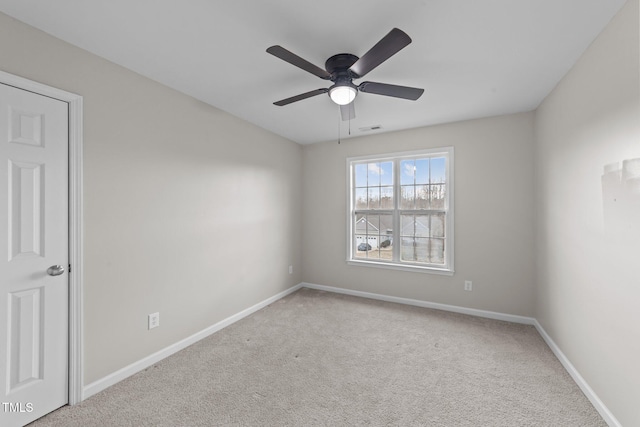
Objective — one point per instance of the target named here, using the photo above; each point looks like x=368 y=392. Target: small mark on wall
x=621 y=198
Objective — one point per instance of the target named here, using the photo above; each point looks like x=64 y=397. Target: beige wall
x=189 y=211
x=588 y=263
x=493 y=230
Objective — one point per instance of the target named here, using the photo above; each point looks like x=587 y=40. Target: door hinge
x=69 y=270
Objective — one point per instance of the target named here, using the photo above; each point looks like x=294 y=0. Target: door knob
x=55 y=270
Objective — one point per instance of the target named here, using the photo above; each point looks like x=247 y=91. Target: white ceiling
x=474 y=58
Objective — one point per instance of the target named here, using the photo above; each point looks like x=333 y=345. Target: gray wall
x=493 y=229
x=588 y=246
x=189 y=211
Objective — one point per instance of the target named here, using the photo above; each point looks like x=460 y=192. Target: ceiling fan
x=343 y=68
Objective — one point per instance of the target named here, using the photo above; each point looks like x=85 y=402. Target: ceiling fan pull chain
x=339 y=116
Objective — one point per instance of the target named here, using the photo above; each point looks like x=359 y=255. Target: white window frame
x=396 y=264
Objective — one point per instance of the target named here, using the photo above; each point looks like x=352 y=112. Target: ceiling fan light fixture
x=343 y=94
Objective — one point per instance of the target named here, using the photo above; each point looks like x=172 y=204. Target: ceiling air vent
x=370 y=128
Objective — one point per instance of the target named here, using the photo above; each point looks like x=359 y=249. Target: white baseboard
x=604 y=412
x=426 y=304
x=142 y=364
x=134 y=368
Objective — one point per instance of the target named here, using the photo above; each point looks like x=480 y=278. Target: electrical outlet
x=154 y=320
x=291 y=269
x=468 y=285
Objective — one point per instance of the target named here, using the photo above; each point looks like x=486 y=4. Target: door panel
x=34 y=225
x=25 y=337
x=26 y=214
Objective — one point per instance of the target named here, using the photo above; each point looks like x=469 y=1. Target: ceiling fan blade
x=300 y=97
x=390 y=44
x=294 y=59
x=348 y=111
x=404 y=92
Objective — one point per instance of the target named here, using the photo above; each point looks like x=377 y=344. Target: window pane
x=367 y=245
x=422 y=250
x=373 y=231
x=437 y=251
x=437 y=225
x=360 y=249
x=361 y=198
x=422 y=171
x=407 y=250
x=374 y=174
x=386 y=197
x=386 y=173
x=407 y=172
x=407 y=225
x=374 y=197
x=422 y=197
x=374 y=252
x=373 y=226
x=360 y=228
x=438 y=196
x=438 y=175
x=422 y=226
x=407 y=197
x=361 y=175
x=386 y=237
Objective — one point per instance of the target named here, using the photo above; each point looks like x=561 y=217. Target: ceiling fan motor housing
x=338 y=66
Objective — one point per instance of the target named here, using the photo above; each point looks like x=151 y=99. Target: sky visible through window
x=413 y=171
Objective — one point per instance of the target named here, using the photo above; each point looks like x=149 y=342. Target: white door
x=33 y=241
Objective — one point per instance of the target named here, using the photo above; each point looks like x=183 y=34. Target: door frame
x=76 y=237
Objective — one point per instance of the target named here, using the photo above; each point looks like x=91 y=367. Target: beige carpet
x=317 y=358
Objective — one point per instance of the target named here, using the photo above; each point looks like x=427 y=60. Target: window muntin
x=401 y=211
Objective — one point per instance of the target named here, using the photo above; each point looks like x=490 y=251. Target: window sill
x=402 y=267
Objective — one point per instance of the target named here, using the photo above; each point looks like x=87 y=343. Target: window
x=401 y=210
